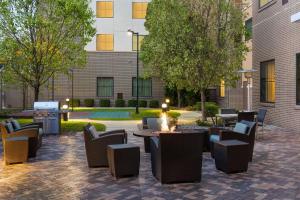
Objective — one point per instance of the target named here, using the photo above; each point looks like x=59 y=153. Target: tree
x=196 y=42
x=39 y=38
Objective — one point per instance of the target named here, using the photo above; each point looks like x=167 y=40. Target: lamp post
x=130 y=32
x=1 y=87
x=72 y=88
x=248 y=73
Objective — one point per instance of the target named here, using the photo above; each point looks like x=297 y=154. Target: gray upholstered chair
x=96 y=144
x=177 y=157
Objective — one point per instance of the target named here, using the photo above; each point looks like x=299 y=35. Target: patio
x=60 y=171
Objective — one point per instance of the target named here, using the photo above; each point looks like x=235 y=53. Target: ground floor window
x=267 y=81
x=222 y=89
x=298 y=79
x=105 y=87
x=145 y=87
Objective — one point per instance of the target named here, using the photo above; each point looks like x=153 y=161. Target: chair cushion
x=93 y=131
x=241 y=128
x=16 y=125
x=214 y=138
x=154 y=124
x=9 y=127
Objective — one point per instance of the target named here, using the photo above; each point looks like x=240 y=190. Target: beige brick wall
x=120 y=65
x=275 y=37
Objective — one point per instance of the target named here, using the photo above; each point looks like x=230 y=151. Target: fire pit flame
x=164 y=123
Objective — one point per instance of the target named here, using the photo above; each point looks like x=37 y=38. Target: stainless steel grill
x=49 y=114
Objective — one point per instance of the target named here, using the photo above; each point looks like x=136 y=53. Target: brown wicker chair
x=32 y=134
x=96 y=145
x=218 y=134
x=177 y=157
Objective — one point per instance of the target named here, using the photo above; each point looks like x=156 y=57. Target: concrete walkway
x=187 y=117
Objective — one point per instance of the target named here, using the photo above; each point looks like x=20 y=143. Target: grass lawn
x=144 y=112
x=69 y=126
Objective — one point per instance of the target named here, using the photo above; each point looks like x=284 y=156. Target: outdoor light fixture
x=167 y=100
x=248 y=73
x=67 y=100
x=65 y=107
x=130 y=33
x=164 y=107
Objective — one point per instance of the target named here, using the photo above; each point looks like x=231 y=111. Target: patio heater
x=248 y=73
x=130 y=33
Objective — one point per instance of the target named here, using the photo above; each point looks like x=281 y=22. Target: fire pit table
x=146 y=134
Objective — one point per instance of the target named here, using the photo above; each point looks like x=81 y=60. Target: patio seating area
x=60 y=171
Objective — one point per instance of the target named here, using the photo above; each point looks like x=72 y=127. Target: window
x=263 y=2
x=134 y=41
x=105 y=42
x=105 y=9
x=285 y=2
x=267 y=82
x=139 y=10
x=248 y=25
x=298 y=79
x=105 y=87
x=145 y=87
x=222 y=88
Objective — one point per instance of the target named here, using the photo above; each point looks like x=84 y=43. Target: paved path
x=187 y=117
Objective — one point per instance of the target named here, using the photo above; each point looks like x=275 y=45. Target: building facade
x=237 y=97
x=111 y=68
x=276 y=48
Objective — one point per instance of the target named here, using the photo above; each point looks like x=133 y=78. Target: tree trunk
x=24 y=96
x=36 y=93
x=178 y=99
x=203 y=99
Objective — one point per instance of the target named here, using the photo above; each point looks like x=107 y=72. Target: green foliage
x=204 y=123
x=104 y=103
x=154 y=104
x=173 y=114
x=39 y=39
x=74 y=102
x=74 y=126
x=211 y=109
x=132 y=103
x=89 y=102
x=194 y=44
x=197 y=106
x=143 y=103
x=120 y=103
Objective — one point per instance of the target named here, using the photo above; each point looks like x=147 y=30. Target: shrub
x=120 y=103
x=75 y=102
x=143 y=103
x=154 y=104
x=104 y=103
x=211 y=109
x=89 y=102
x=197 y=106
x=132 y=103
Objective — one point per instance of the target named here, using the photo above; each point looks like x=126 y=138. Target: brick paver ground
x=60 y=172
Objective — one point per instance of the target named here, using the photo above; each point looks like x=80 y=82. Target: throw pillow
x=241 y=128
x=93 y=131
x=15 y=124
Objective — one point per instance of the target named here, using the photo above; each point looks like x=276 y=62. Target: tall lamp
x=1 y=86
x=72 y=88
x=248 y=74
x=130 y=33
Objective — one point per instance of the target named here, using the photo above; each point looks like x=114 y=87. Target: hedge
x=75 y=102
x=143 y=103
x=120 y=103
x=104 y=103
x=154 y=104
x=89 y=102
x=132 y=103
